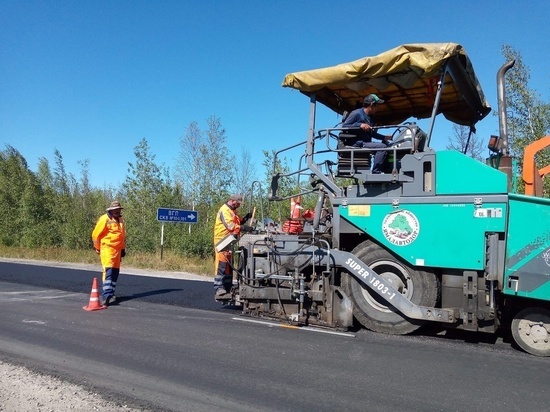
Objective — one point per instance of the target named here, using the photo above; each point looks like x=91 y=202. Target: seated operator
x=362 y=118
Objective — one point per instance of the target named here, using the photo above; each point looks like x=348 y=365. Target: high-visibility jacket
x=109 y=232
x=227 y=222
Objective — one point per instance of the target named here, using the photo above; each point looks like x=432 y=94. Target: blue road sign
x=177 y=215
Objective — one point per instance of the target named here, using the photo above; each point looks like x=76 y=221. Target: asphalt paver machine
x=438 y=239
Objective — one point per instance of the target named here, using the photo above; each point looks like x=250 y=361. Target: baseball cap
x=372 y=98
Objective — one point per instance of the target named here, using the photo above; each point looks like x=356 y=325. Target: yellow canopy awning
x=406 y=77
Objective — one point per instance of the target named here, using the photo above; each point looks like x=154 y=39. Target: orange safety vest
x=227 y=222
x=109 y=232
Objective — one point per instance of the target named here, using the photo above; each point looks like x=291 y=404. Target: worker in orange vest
x=227 y=223
x=109 y=238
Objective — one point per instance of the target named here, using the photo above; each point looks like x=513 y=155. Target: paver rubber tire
x=420 y=287
x=531 y=330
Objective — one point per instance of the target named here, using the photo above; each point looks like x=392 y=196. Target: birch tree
x=463 y=142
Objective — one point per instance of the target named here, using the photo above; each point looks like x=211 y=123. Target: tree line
x=53 y=208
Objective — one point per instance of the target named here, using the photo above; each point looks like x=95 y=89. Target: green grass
x=170 y=261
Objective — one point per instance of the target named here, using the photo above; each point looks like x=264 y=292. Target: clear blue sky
x=92 y=78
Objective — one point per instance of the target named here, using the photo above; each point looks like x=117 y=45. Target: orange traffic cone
x=94 y=299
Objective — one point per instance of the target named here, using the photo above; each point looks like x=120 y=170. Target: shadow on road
x=145 y=294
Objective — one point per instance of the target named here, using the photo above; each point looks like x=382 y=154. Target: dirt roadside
x=24 y=390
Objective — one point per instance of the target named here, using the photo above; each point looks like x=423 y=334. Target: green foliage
x=13 y=177
x=148 y=187
x=218 y=165
x=64 y=188
x=87 y=201
x=528 y=115
x=189 y=240
x=34 y=217
x=206 y=174
x=48 y=200
x=205 y=166
x=44 y=209
x=188 y=164
x=143 y=191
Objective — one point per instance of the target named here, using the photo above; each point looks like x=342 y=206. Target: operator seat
x=351 y=160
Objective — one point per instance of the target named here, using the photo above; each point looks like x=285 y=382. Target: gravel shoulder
x=24 y=390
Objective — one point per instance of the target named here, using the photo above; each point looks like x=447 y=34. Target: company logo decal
x=401 y=228
x=546 y=257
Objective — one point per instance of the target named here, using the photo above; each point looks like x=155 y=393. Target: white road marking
x=20 y=296
x=305 y=328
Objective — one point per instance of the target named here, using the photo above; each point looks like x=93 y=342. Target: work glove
x=123 y=253
x=247 y=229
x=246 y=217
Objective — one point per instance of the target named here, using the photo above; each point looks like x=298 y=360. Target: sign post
x=166 y=215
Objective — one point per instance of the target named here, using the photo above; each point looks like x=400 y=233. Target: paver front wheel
x=531 y=330
x=420 y=287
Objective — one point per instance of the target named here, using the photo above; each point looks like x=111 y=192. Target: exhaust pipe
x=502 y=116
